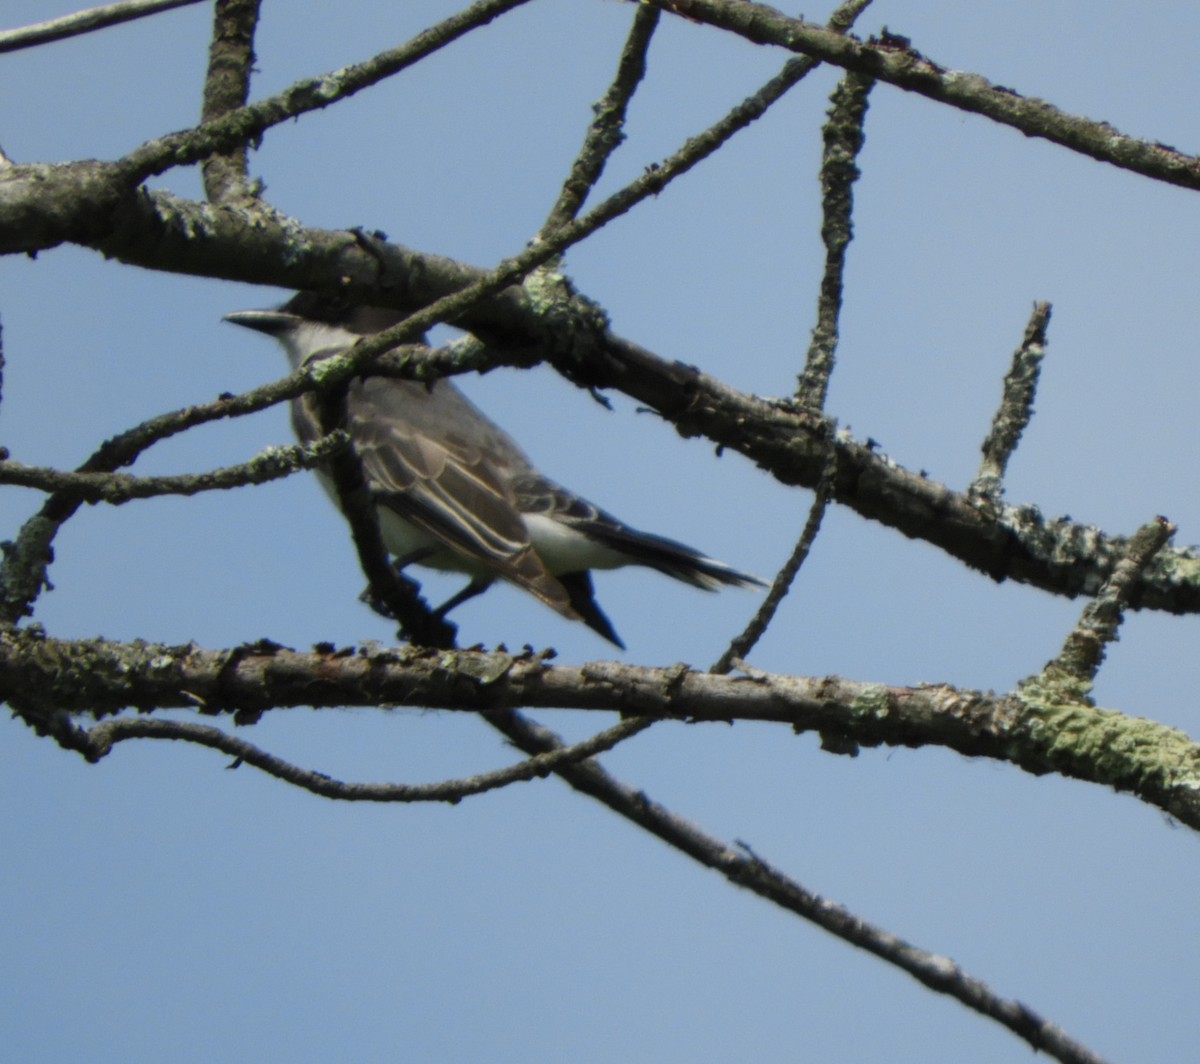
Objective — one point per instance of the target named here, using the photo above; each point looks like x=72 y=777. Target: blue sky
x=158 y=907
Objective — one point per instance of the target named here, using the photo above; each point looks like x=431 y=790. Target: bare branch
x=226 y=88
x=1035 y=729
x=96 y=18
x=1082 y=653
x=737 y=863
x=843 y=19
x=246 y=124
x=23 y=572
x=606 y=131
x=116 y=488
x=399 y=595
x=843 y=141
x=894 y=60
x=98 y=741
x=740 y=648
x=744 y=869
x=1018 y=542
x=1016 y=408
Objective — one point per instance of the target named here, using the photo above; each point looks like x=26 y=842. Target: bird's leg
x=413 y=557
x=476 y=587
x=369 y=598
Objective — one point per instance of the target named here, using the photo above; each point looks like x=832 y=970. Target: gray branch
x=116 y=488
x=46 y=680
x=226 y=88
x=894 y=60
x=1016 y=409
x=96 y=18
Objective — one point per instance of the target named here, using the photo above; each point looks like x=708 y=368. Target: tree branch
x=1017 y=542
x=606 y=132
x=894 y=60
x=226 y=88
x=45 y=680
x=116 y=488
x=745 y=641
x=1016 y=409
x=737 y=863
x=246 y=124
x=1083 y=652
x=96 y=18
x=399 y=595
x=98 y=741
x=843 y=135
x=743 y=868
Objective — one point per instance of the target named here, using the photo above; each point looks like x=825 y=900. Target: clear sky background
x=158 y=907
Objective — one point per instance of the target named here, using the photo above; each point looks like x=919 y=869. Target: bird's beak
x=271 y=322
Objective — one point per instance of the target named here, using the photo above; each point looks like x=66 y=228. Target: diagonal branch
x=1082 y=653
x=246 y=124
x=744 y=869
x=745 y=641
x=894 y=60
x=96 y=18
x=398 y=595
x=606 y=132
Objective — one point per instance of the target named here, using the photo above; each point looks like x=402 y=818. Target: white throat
x=314 y=337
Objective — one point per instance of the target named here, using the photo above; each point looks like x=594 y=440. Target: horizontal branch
x=273 y=463
x=575 y=763
x=46 y=679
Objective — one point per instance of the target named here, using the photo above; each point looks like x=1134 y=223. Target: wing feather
x=435 y=461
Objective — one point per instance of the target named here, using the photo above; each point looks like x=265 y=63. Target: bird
x=454 y=492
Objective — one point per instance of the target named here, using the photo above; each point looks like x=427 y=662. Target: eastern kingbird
x=454 y=492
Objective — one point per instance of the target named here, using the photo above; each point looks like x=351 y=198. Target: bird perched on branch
x=452 y=489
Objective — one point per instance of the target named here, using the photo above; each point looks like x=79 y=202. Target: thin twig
x=746 y=870
x=116 y=488
x=843 y=135
x=98 y=741
x=84 y=22
x=741 y=646
x=226 y=88
x=1015 y=410
x=894 y=60
x=607 y=129
x=652 y=181
x=1083 y=651
x=246 y=124
x=23 y=571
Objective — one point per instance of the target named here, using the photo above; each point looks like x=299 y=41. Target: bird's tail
x=673 y=558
